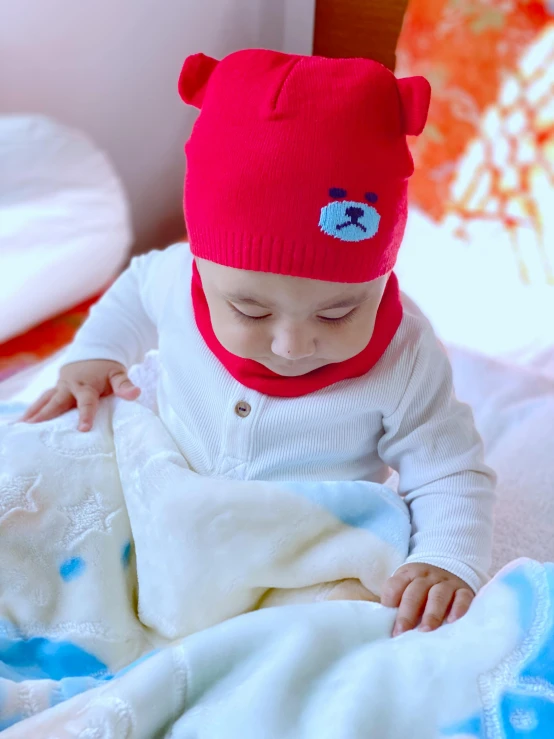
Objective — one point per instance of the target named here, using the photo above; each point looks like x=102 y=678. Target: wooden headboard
x=359 y=28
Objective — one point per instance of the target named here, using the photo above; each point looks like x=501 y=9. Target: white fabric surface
x=329 y=671
x=402 y=415
x=64 y=223
x=78 y=510
x=205 y=550
x=514 y=410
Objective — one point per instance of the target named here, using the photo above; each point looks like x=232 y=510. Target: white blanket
x=109 y=543
x=113 y=552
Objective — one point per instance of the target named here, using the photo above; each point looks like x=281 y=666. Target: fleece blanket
x=131 y=594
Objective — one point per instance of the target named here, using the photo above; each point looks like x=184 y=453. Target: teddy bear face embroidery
x=349 y=220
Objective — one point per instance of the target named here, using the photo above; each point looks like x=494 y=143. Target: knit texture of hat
x=299 y=165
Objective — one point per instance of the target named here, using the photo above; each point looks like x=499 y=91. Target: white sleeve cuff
x=90 y=351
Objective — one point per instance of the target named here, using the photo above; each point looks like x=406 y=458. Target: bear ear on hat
x=415 y=96
x=194 y=78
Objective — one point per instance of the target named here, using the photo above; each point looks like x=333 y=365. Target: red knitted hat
x=299 y=165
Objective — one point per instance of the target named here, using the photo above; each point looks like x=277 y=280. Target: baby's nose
x=354 y=213
x=293 y=344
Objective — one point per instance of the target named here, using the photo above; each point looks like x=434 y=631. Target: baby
x=286 y=349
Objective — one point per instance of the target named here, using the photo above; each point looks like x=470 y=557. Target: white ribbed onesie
x=402 y=415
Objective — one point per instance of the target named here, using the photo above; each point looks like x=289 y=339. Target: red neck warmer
x=255 y=376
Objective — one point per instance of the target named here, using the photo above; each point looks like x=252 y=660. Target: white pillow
x=64 y=221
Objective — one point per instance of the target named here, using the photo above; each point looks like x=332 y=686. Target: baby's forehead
x=264 y=288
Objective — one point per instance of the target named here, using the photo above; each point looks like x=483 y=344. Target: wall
x=110 y=68
x=359 y=28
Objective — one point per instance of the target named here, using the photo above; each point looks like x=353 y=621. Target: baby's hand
x=82 y=384
x=426 y=593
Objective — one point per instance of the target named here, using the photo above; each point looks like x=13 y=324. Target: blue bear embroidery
x=349 y=220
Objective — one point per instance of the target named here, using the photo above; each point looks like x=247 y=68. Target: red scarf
x=255 y=376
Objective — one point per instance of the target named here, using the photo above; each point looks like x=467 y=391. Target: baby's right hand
x=82 y=384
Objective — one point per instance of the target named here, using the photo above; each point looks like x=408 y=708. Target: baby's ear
x=194 y=78
x=415 y=96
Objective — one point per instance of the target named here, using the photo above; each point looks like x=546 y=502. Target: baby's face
x=290 y=325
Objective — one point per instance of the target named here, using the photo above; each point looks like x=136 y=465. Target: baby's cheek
x=243 y=341
x=340 y=345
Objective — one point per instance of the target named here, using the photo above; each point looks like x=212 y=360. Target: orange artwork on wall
x=487 y=153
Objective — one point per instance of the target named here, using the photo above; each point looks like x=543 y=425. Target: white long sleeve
x=431 y=441
x=121 y=326
x=401 y=415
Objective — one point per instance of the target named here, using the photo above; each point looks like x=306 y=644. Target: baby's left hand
x=426 y=593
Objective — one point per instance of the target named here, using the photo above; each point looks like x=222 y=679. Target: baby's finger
x=411 y=606
x=33 y=409
x=438 y=602
x=87 y=403
x=61 y=402
x=394 y=589
x=461 y=604
x=123 y=387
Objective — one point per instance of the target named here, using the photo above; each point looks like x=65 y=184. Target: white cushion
x=64 y=222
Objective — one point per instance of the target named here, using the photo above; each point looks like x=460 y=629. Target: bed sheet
x=514 y=412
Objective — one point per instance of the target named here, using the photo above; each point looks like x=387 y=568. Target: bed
x=236 y=679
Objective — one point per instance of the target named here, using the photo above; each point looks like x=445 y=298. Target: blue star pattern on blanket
x=72 y=568
x=55 y=670
x=38 y=662
x=126 y=553
x=518 y=695
x=38 y=658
